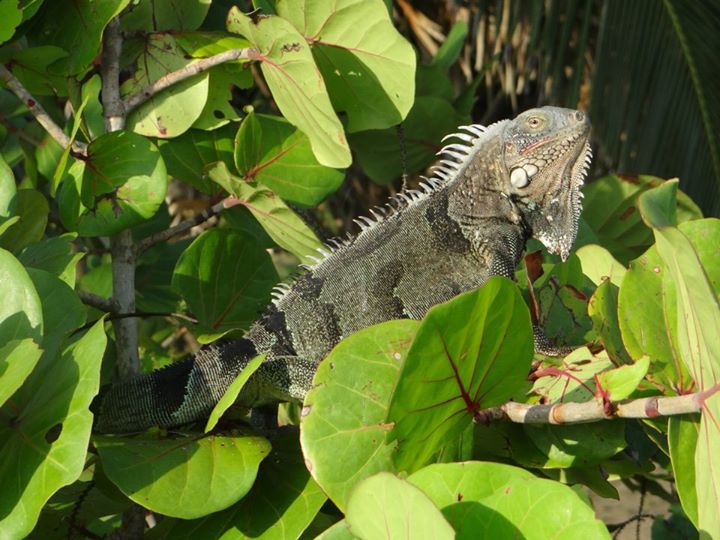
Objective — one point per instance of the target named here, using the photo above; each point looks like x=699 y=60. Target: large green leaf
x=20 y=310
x=380 y=154
x=281 y=504
x=645 y=328
x=665 y=52
x=10 y=17
x=296 y=83
x=598 y=264
x=159 y=15
x=385 y=507
x=186 y=477
x=32 y=208
x=492 y=500
x=80 y=34
x=62 y=310
x=272 y=152
x=45 y=431
x=282 y=224
x=55 y=255
x=344 y=445
x=123 y=183
x=575 y=445
x=171 y=112
x=611 y=211
x=188 y=155
x=467 y=493
x=698 y=326
x=226 y=280
x=603 y=311
x=470 y=353
x=368 y=66
x=31 y=67
x=682 y=442
x=17 y=360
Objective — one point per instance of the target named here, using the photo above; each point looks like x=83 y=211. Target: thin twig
x=618 y=527
x=139 y=315
x=100 y=302
x=186 y=225
x=174 y=77
x=38 y=111
x=592 y=411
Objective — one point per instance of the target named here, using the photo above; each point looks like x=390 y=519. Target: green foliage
x=187 y=477
x=484 y=341
x=265 y=142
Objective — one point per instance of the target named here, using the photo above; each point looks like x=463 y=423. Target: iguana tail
x=177 y=394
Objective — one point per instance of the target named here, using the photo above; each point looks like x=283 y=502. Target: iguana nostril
x=579 y=116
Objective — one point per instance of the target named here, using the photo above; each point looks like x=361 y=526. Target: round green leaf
x=45 y=443
x=159 y=15
x=575 y=445
x=80 y=35
x=32 y=208
x=122 y=184
x=188 y=155
x=218 y=109
x=343 y=445
x=598 y=263
x=611 y=211
x=281 y=504
x=172 y=111
x=54 y=255
x=385 y=507
x=271 y=151
x=20 y=310
x=226 y=280
x=187 y=477
x=492 y=500
x=470 y=353
x=10 y=17
x=368 y=66
x=296 y=84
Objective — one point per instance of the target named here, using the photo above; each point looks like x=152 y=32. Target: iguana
x=493 y=189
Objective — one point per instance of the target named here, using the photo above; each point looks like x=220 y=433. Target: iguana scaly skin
x=494 y=188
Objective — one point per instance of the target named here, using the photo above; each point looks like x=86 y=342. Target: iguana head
x=545 y=158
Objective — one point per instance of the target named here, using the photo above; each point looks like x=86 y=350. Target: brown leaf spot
x=629 y=211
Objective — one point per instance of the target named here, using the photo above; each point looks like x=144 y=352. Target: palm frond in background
x=656 y=92
x=646 y=70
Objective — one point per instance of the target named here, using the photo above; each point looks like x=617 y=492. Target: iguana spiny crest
x=491 y=191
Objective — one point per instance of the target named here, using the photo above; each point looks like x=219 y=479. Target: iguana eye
x=535 y=122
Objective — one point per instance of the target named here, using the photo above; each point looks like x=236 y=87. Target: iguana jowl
x=494 y=188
